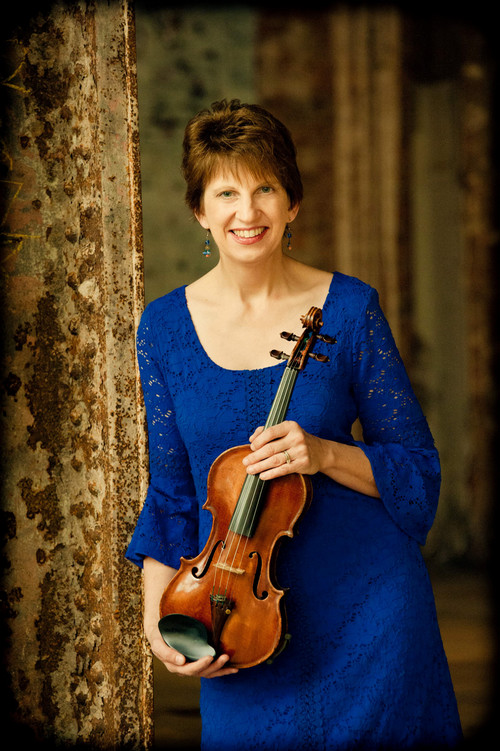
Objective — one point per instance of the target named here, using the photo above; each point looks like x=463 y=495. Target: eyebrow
x=228 y=184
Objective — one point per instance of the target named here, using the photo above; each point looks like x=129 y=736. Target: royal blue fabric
x=365 y=667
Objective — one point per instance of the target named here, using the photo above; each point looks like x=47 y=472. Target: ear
x=200 y=216
x=293 y=211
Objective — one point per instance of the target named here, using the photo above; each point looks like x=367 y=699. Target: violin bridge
x=230 y=569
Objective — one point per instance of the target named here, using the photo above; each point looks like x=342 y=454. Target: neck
x=251 y=284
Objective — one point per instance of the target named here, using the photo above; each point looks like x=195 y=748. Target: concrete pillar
x=74 y=449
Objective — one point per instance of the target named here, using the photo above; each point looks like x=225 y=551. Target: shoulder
x=354 y=293
x=161 y=320
x=164 y=309
x=352 y=285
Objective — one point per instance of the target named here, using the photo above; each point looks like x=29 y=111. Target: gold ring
x=287 y=456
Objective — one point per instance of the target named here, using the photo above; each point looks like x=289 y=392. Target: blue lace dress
x=365 y=667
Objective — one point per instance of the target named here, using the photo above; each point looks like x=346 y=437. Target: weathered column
x=73 y=457
x=367 y=140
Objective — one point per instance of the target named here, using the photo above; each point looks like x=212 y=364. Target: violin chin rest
x=187 y=635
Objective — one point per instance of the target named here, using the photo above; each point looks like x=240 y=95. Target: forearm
x=156 y=578
x=347 y=465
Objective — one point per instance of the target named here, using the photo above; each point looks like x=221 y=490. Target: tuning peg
x=279 y=355
x=327 y=339
x=289 y=337
x=319 y=358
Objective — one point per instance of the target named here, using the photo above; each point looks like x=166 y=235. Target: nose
x=247 y=208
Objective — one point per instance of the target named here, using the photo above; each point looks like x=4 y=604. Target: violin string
x=254 y=488
x=276 y=415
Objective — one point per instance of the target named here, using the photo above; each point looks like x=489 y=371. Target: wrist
x=327 y=456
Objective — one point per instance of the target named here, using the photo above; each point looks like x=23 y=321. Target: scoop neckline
x=204 y=353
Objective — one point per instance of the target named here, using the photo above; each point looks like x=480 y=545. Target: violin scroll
x=312 y=323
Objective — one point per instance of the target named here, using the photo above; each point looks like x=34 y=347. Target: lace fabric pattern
x=365 y=668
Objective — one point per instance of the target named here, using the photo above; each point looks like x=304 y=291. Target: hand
x=268 y=458
x=175 y=662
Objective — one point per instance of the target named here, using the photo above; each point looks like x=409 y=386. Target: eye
x=226 y=193
x=266 y=189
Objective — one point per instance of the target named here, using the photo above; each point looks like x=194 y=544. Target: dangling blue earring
x=206 y=251
x=288 y=235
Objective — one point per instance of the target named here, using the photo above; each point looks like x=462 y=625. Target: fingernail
x=179 y=660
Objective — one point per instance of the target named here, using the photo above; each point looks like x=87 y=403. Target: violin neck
x=246 y=514
x=281 y=401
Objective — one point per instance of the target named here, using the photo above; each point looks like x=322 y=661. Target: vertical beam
x=344 y=80
x=74 y=453
x=479 y=183
x=367 y=143
x=438 y=255
x=302 y=100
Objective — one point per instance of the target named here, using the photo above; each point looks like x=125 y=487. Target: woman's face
x=246 y=214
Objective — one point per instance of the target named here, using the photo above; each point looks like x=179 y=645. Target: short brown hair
x=236 y=134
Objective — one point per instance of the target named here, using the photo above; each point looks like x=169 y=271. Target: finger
x=275 y=466
x=271 y=452
x=219 y=668
x=192 y=669
x=261 y=437
x=256 y=432
x=274 y=473
x=222 y=673
x=206 y=667
x=166 y=654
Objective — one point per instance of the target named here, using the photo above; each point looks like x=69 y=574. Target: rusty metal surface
x=74 y=449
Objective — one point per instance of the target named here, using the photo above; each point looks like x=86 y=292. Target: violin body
x=229 y=589
x=255 y=628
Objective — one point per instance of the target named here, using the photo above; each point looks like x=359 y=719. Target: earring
x=206 y=251
x=288 y=235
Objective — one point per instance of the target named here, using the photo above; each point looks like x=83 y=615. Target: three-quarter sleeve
x=167 y=527
x=396 y=436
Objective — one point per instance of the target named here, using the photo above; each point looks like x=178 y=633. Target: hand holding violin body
x=205 y=667
x=156 y=578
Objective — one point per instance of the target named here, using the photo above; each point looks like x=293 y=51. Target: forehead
x=238 y=171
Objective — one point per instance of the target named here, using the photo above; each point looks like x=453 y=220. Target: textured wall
x=342 y=97
x=187 y=58
x=73 y=455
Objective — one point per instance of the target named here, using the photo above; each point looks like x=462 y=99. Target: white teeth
x=248 y=232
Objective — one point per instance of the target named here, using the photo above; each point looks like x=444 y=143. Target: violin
x=226 y=600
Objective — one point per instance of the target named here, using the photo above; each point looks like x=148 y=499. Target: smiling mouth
x=248 y=233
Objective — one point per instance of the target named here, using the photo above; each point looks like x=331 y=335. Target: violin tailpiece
x=221 y=608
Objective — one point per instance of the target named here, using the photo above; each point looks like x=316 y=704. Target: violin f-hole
x=194 y=570
x=256 y=577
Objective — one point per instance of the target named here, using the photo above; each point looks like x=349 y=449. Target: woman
x=365 y=667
